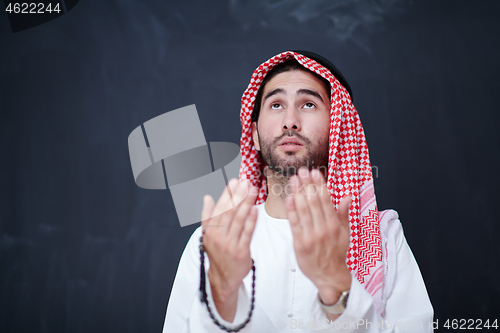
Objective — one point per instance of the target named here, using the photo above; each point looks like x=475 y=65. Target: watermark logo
x=360 y=323
x=170 y=151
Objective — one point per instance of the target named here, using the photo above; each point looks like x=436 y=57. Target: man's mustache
x=292 y=134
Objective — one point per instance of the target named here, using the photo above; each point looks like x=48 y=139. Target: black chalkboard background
x=83 y=249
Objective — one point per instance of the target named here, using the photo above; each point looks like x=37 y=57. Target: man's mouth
x=290 y=145
x=291 y=141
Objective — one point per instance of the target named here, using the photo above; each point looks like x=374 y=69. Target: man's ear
x=255 y=136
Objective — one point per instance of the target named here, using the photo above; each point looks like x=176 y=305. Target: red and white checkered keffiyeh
x=349 y=172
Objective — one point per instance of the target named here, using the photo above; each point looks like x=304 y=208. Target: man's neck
x=277 y=191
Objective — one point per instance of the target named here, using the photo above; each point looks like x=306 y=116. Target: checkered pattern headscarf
x=349 y=171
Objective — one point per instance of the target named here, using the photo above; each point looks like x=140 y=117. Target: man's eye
x=309 y=105
x=275 y=106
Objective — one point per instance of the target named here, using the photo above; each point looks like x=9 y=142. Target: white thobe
x=286 y=300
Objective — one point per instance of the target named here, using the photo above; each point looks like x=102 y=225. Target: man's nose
x=291 y=120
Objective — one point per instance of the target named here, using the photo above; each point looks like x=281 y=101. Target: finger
x=291 y=215
x=241 y=214
x=343 y=211
x=241 y=192
x=301 y=206
x=225 y=203
x=248 y=229
x=208 y=207
x=323 y=195
x=312 y=190
x=206 y=212
x=226 y=217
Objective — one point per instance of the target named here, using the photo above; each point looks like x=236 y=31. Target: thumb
x=343 y=211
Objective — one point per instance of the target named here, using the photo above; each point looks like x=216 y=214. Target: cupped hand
x=320 y=234
x=228 y=227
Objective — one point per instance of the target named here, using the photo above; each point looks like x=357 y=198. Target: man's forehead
x=294 y=80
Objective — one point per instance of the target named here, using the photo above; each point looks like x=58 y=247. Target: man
x=284 y=258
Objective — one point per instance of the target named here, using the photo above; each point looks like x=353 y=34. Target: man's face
x=294 y=122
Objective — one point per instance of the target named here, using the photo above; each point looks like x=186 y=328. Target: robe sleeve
x=408 y=308
x=185 y=312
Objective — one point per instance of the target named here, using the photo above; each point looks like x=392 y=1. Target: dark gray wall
x=84 y=249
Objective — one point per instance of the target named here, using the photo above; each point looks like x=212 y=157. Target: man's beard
x=316 y=156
